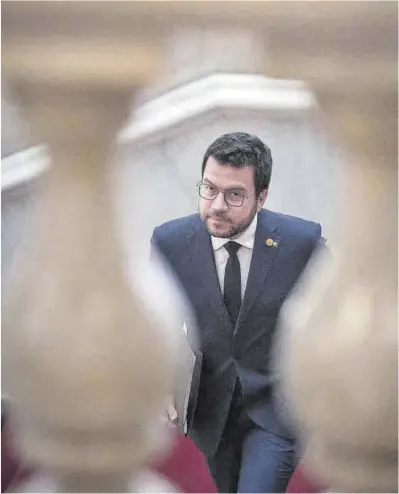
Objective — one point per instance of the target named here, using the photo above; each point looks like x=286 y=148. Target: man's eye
x=235 y=194
x=209 y=188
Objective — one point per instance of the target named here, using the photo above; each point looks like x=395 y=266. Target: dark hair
x=240 y=149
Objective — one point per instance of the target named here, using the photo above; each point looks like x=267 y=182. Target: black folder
x=187 y=385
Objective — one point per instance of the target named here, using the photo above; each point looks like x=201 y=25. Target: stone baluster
x=339 y=331
x=89 y=370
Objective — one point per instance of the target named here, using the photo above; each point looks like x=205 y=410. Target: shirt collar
x=246 y=238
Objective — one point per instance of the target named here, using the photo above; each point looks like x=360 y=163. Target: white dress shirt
x=246 y=239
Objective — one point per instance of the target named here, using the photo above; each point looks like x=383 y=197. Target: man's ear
x=261 y=199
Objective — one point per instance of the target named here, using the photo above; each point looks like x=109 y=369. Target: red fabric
x=185 y=466
x=12 y=470
x=301 y=482
x=9 y=464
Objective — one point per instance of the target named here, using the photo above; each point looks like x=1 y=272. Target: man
x=237 y=262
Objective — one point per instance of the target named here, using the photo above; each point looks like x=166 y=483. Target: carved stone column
x=89 y=370
x=339 y=331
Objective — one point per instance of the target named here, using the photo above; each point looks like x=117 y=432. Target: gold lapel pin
x=271 y=243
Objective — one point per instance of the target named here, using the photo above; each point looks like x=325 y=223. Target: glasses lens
x=207 y=191
x=234 y=198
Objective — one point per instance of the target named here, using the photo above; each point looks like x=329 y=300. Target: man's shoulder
x=294 y=224
x=177 y=228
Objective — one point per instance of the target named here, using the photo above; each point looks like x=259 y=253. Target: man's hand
x=171 y=410
x=171 y=413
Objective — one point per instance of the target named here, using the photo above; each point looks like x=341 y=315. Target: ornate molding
x=233 y=91
x=178 y=106
x=23 y=166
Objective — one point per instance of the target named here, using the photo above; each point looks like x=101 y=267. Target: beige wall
x=155 y=178
x=157 y=182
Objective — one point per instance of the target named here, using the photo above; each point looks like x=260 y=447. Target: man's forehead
x=229 y=176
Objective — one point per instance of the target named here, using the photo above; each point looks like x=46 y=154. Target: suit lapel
x=203 y=268
x=262 y=260
x=203 y=274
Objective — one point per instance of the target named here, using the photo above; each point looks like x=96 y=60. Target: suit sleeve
x=320 y=242
x=154 y=245
x=317 y=236
x=191 y=344
x=322 y=247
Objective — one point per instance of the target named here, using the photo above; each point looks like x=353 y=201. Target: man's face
x=221 y=219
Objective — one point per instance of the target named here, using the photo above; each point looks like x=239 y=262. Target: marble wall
x=155 y=180
x=17 y=205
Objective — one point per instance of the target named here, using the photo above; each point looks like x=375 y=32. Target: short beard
x=238 y=229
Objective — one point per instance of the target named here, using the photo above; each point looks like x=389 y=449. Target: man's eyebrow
x=234 y=187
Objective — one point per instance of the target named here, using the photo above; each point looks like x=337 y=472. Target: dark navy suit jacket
x=243 y=351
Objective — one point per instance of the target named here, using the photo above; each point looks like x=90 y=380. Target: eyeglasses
x=232 y=197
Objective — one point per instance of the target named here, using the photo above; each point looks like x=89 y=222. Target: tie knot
x=232 y=247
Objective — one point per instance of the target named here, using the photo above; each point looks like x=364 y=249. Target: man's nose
x=219 y=203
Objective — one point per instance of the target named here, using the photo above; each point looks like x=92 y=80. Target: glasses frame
x=223 y=191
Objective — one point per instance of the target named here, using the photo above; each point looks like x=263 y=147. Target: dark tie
x=232 y=281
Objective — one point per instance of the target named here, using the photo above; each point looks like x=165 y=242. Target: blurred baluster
x=89 y=370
